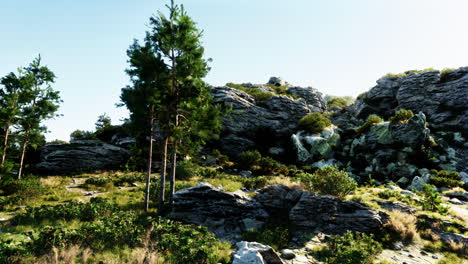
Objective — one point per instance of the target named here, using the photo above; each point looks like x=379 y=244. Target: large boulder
x=228 y=215
x=80 y=156
x=265 y=125
x=225 y=214
x=442 y=98
x=311 y=95
x=333 y=216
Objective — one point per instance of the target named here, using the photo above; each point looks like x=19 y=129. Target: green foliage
x=447 y=179
x=314 y=122
x=330 y=180
x=431 y=200
x=186 y=170
x=103 y=122
x=338 y=101
x=82 y=135
x=445 y=71
x=393 y=75
x=249 y=158
x=275 y=233
x=401 y=116
x=256 y=93
x=351 y=248
x=19 y=191
x=255 y=182
x=186 y=243
x=372 y=120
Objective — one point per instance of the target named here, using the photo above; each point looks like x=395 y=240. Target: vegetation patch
x=372 y=120
x=447 y=179
x=401 y=116
x=330 y=180
x=314 y=123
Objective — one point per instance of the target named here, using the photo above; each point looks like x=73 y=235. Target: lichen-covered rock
x=80 y=156
x=315 y=147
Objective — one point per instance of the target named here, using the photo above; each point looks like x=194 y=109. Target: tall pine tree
x=183 y=100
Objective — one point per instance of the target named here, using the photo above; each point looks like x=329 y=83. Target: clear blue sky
x=340 y=47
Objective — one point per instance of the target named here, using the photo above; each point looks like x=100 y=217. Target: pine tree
x=41 y=102
x=181 y=101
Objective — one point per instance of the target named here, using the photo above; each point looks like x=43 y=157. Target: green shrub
x=205 y=172
x=249 y=158
x=330 y=180
x=372 y=120
x=221 y=159
x=401 y=116
x=257 y=94
x=255 y=182
x=275 y=233
x=445 y=71
x=186 y=170
x=431 y=200
x=19 y=192
x=351 y=248
x=443 y=178
x=314 y=123
x=337 y=102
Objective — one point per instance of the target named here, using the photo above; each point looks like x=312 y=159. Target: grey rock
x=277 y=81
x=269 y=123
x=225 y=214
x=246 y=173
x=311 y=95
x=80 y=156
x=417 y=184
x=255 y=253
x=334 y=216
x=287 y=254
x=398 y=246
x=278 y=198
x=442 y=99
x=456 y=201
x=463 y=196
x=390 y=206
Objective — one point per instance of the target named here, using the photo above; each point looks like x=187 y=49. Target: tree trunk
x=173 y=173
x=150 y=160
x=23 y=151
x=5 y=145
x=163 y=176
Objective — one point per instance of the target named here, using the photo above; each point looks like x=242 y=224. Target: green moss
x=401 y=116
x=372 y=120
x=443 y=178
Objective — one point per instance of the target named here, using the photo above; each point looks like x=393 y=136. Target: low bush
x=255 y=182
x=351 y=248
x=257 y=94
x=314 y=123
x=401 y=116
x=275 y=233
x=372 y=120
x=19 y=192
x=330 y=180
x=431 y=200
x=337 y=102
x=186 y=170
x=447 y=179
x=249 y=158
x=445 y=71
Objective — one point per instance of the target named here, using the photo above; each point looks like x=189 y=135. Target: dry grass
x=287 y=182
x=63 y=256
x=402 y=226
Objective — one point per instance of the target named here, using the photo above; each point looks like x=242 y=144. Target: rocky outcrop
x=225 y=214
x=442 y=98
x=311 y=95
x=264 y=125
x=80 y=156
x=333 y=216
x=228 y=215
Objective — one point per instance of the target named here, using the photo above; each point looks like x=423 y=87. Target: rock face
x=230 y=214
x=333 y=216
x=80 y=156
x=311 y=95
x=264 y=125
x=225 y=214
x=442 y=98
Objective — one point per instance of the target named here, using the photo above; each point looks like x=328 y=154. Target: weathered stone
x=287 y=254
x=278 y=198
x=225 y=214
x=334 y=216
x=311 y=95
x=80 y=156
x=255 y=253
